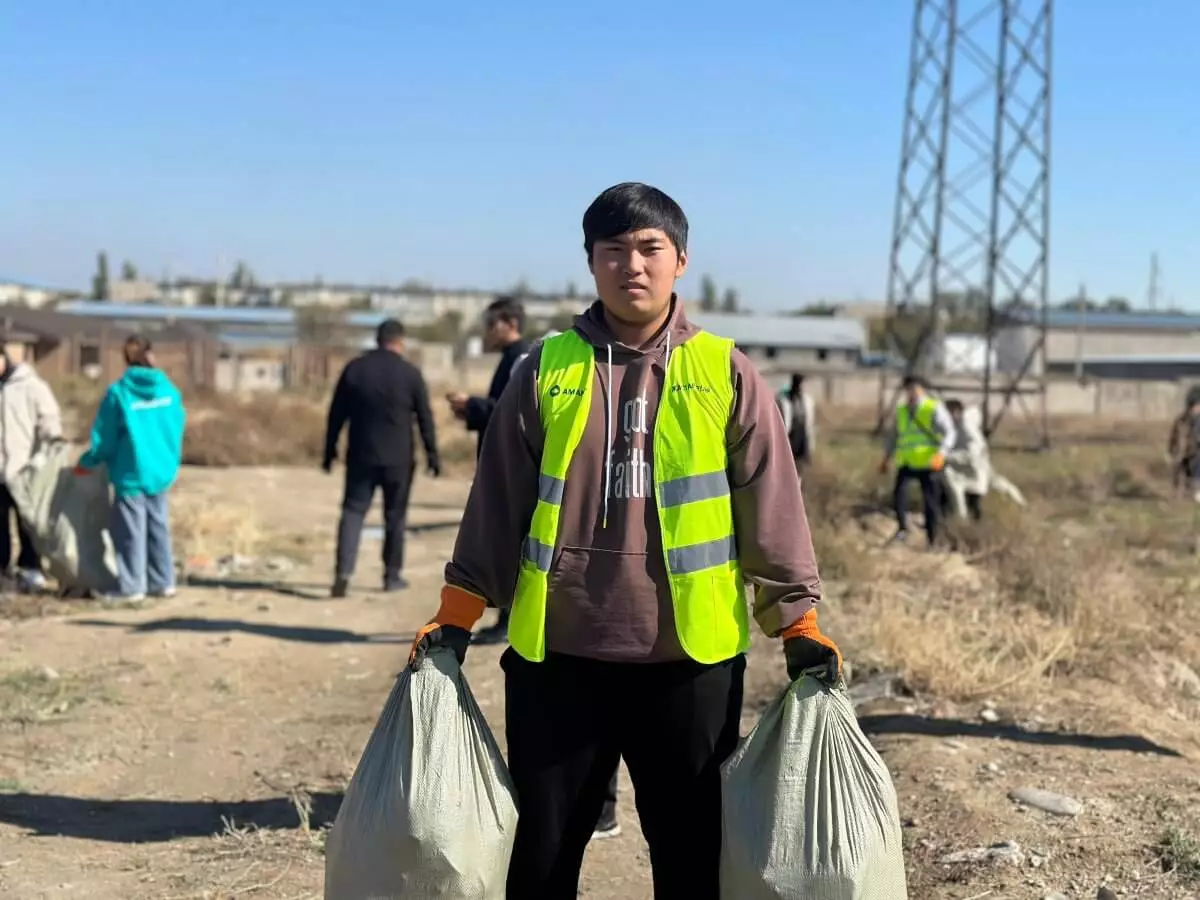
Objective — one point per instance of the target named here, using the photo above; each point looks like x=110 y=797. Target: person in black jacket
x=379 y=394
x=504 y=323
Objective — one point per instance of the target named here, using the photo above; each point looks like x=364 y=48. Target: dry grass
x=286 y=429
x=1089 y=578
x=204 y=529
x=32 y=696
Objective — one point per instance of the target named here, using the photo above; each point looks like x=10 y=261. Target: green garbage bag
x=430 y=813
x=809 y=807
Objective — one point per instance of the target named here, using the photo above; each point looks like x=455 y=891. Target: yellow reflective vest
x=691 y=491
x=917 y=442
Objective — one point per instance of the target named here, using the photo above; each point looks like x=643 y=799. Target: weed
x=1179 y=852
x=39 y=695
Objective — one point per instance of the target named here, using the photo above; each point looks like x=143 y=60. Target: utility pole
x=1080 y=330
x=1153 y=291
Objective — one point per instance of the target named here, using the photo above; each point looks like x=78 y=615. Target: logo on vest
x=556 y=390
x=691 y=386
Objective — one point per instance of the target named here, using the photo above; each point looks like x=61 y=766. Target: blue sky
x=459 y=141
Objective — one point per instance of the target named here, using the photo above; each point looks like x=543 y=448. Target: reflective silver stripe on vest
x=550 y=489
x=538 y=553
x=692 y=488
x=696 y=557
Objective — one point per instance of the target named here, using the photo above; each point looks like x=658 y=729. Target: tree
x=1118 y=304
x=129 y=271
x=572 y=290
x=208 y=295
x=730 y=303
x=818 y=309
x=708 y=293
x=521 y=288
x=100 y=287
x=242 y=278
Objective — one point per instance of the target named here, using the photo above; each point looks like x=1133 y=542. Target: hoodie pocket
x=603 y=602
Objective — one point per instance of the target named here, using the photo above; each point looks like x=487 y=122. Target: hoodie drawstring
x=608 y=437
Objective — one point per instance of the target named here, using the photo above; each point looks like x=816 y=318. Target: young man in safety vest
x=634 y=477
x=923 y=435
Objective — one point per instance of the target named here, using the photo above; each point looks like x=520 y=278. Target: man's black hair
x=633 y=206
x=913 y=381
x=954 y=405
x=797 y=381
x=388 y=332
x=510 y=309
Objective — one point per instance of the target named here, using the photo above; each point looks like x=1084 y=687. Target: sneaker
x=165 y=594
x=493 y=634
x=341 y=586
x=900 y=537
x=121 y=599
x=394 y=583
x=607 y=827
x=31 y=580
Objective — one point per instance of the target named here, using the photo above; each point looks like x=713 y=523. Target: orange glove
x=938 y=462
x=80 y=470
x=451 y=627
x=806 y=649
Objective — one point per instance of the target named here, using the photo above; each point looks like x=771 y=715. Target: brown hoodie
x=609 y=597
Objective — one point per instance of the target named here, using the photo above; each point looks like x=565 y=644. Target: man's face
x=913 y=391
x=635 y=274
x=497 y=333
x=956 y=413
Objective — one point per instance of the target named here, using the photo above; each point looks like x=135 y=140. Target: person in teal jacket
x=138 y=435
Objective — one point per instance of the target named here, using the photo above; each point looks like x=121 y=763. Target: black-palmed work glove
x=450 y=627
x=809 y=652
x=430 y=638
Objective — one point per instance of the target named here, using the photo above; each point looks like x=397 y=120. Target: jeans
x=142 y=538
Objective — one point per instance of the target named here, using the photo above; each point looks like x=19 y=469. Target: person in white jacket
x=969 y=474
x=799 y=419
x=29 y=420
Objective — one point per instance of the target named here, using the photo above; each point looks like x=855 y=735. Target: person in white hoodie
x=29 y=419
x=800 y=419
x=969 y=474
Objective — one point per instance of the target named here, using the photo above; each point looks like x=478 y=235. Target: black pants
x=28 y=557
x=570 y=721
x=931 y=490
x=361 y=482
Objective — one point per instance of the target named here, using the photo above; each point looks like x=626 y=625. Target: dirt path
x=195 y=749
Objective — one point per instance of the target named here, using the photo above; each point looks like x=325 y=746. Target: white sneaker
x=31 y=580
x=121 y=599
x=164 y=594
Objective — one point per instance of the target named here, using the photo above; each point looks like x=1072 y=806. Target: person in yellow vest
x=634 y=478
x=924 y=433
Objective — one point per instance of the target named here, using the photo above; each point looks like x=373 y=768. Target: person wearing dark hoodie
x=503 y=327
x=635 y=476
x=138 y=435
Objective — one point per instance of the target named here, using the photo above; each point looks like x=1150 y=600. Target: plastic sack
x=430 y=812
x=809 y=807
x=67 y=516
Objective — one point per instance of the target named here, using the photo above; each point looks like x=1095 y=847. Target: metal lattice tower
x=971 y=236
